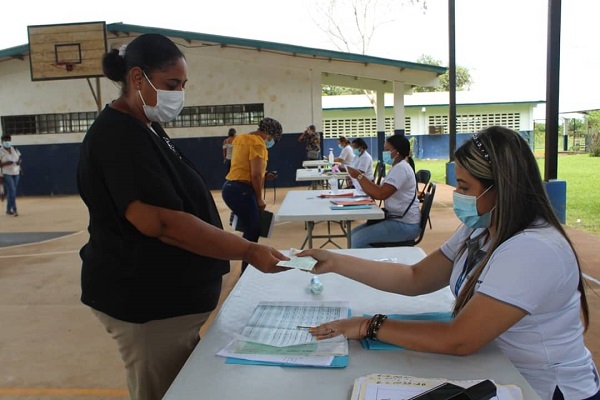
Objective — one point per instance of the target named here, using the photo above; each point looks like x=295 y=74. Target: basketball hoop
x=67 y=65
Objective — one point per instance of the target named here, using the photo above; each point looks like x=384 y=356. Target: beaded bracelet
x=375 y=325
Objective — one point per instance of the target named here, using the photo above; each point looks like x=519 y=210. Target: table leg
x=309 y=232
x=348 y=233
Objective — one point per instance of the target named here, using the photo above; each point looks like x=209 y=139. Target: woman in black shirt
x=153 y=266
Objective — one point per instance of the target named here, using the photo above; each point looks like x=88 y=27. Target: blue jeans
x=10 y=190
x=241 y=199
x=388 y=230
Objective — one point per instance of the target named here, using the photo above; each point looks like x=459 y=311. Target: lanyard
x=472 y=259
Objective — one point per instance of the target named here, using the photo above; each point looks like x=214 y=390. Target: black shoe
x=10 y=213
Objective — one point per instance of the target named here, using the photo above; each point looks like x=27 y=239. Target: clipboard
x=338 y=362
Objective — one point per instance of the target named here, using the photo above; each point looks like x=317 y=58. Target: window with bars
x=358 y=127
x=220 y=115
x=471 y=123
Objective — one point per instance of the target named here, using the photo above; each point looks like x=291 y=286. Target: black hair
x=360 y=142
x=150 y=52
x=401 y=144
x=312 y=128
x=231 y=132
x=6 y=136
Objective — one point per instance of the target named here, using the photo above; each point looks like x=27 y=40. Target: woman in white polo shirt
x=511 y=266
x=398 y=191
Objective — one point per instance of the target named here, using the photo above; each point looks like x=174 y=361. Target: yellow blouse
x=246 y=147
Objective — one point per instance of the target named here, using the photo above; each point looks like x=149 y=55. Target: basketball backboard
x=66 y=51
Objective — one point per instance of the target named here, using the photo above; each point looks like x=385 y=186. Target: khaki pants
x=155 y=351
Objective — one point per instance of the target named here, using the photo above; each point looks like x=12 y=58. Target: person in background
x=362 y=162
x=10 y=163
x=152 y=268
x=313 y=143
x=398 y=191
x=242 y=190
x=228 y=148
x=346 y=154
x=511 y=266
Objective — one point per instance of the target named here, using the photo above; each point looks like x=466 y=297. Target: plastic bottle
x=316 y=286
x=331 y=157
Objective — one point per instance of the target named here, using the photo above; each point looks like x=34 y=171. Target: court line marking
x=589 y=278
x=65 y=391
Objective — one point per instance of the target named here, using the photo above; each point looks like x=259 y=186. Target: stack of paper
x=277 y=334
x=341 y=193
x=402 y=387
x=352 y=203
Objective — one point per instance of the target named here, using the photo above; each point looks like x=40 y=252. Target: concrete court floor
x=51 y=347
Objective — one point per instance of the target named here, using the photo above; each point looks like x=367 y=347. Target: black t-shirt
x=125 y=274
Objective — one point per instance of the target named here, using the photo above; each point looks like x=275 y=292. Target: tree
x=463 y=77
x=351 y=25
x=593 y=123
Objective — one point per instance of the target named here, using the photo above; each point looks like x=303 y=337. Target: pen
x=304 y=327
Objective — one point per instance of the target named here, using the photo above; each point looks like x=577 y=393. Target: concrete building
x=233 y=82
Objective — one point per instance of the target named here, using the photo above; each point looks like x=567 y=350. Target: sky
x=503 y=43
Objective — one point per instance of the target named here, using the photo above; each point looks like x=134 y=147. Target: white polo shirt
x=402 y=177
x=347 y=155
x=10 y=155
x=536 y=271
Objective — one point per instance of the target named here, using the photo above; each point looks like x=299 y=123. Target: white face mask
x=169 y=104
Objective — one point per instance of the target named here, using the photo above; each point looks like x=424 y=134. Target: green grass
x=580 y=171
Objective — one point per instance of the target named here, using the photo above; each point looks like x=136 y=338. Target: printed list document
x=278 y=333
x=282 y=324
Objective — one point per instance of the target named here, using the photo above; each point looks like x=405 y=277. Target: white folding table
x=206 y=375
x=306 y=206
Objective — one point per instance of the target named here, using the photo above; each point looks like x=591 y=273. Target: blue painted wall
x=51 y=169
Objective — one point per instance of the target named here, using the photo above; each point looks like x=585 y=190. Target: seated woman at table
x=242 y=190
x=513 y=270
x=346 y=154
x=398 y=191
x=362 y=162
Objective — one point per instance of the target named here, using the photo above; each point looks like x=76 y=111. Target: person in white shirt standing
x=10 y=162
x=346 y=155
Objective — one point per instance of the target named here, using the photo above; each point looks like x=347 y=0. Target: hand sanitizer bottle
x=315 y=285
x=331 y=157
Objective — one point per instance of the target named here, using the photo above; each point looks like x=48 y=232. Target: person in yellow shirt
x=242 y=190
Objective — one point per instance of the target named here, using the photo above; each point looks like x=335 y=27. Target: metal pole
x=452 y=79
x=552 y=90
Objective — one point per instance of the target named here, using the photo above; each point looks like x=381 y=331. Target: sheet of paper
x=399 y=387
x=276 y=323
x=233 y=350
x=305 y=263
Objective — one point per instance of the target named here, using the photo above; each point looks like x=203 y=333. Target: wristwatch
x=359 y=177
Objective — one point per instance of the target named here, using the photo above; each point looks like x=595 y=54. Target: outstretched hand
x=265 y=258
x=351 y=328
x=325 y=260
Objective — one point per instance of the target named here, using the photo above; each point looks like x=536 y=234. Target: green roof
x=21 y=51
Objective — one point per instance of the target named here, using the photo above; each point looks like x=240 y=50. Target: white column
x=399 y=126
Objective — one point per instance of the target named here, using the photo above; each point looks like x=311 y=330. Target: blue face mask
x=269 y=143
x=340 y=146
x=356 y=152
x=7 y=144
x=465 y=208
x=387 y=158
